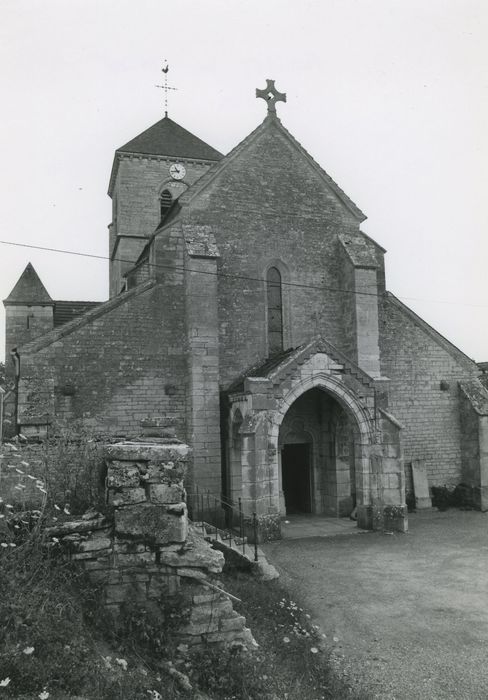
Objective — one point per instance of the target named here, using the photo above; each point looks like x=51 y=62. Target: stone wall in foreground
x=146 y=550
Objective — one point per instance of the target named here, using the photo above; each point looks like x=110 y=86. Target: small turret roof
x=167 y=138
x=29 y=289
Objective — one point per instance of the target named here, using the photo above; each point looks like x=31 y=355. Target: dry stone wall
x=146 y=550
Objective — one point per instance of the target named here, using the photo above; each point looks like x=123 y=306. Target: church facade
x=249 y=312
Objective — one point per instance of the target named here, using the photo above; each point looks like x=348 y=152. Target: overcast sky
x=389 y=96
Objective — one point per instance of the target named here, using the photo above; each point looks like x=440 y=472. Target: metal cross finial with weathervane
x=271 y=95
x=165 y=87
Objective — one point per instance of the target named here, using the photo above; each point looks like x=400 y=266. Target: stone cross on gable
x=271 y=95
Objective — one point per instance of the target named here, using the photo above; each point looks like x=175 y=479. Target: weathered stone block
x=127 y=496
x=151 y=522
x=236 y=622
x=223 y=608
x=164 y=472
x=93 y=545
x=157 y=586
x=81 y=556
x=136 y=559
x=99 y=563
x=128 y=547
x=192 y=573
x=200 y=555
x=166 y=493
x=199 y=628
x=146 y=452
x=120 y=475
x=117 y=593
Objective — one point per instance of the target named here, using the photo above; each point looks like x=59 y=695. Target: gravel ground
x=406 y=616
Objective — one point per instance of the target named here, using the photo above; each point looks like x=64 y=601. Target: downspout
x=16 y=360
x=2 y=399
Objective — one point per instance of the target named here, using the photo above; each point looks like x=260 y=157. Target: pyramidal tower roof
x=167 y=138
x=29 y=289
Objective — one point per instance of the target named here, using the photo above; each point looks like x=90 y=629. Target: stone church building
x=249 y=311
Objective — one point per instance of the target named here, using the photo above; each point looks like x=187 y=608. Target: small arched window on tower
x=165 y=201
x=275 y=311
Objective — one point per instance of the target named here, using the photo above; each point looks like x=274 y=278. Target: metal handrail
x=223 y=517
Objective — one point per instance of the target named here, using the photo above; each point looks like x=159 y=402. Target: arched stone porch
x=255 y=418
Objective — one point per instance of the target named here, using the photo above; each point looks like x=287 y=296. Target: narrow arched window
x=165 y=201
x=275 y=311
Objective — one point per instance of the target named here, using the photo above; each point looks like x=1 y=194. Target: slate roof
x=29 y=289
x=167 y=138
x=65 y=311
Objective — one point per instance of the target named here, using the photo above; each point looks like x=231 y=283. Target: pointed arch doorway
x=317 y=456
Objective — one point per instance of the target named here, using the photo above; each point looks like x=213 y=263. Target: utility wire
x=181 y=268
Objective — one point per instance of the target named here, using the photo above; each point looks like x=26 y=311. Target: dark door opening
x=295 y=470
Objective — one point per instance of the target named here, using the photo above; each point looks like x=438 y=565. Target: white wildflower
x=4 y=683
x=28 y=651
x=155 y=695
x=314 y=650
x=286 y=640
x=122 y=662
x=44 y=695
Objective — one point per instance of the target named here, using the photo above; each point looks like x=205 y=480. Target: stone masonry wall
x=423 y=392
x=136 y=206
x=268 y=207
x=147 y=550
x=113 y=368
x=22 y=324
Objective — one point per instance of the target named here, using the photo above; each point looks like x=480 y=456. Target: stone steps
x=226 y=540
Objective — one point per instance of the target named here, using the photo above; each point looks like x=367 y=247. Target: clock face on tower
x=177 y=171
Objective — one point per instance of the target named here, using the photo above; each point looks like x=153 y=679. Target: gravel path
x=405 y=615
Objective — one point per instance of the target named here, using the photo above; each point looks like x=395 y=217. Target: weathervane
x=165 y=87
x=271 y=95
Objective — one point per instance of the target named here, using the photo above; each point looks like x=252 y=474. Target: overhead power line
x=228 y=275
